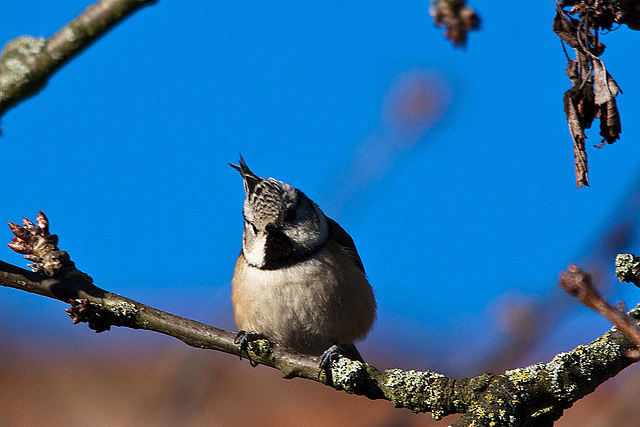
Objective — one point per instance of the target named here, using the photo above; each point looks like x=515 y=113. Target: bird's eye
x=290 y=215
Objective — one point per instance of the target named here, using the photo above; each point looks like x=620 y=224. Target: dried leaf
x=565 y=27
x=577 y=134
x=610 y=125
x=573 y=72
x=593 y=91
x=586 y=105
x=604 y=86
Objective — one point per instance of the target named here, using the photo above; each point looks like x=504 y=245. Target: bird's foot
x=243 y=339
x=327 y=358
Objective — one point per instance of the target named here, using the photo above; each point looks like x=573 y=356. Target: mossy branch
x=538 y=392
x=26 y=63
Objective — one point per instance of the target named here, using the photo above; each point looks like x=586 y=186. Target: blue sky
x=126 y=151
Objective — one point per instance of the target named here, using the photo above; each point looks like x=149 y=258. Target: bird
x=298 y=280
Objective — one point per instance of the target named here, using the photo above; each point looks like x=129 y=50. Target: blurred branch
x=579 y=285
x=457 y=18
x=538 y=393
x=528 y=321
x=26 y=63
x=415 y=103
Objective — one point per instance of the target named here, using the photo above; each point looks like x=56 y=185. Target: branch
x=539 y=392
x=26 y=63
x=628 y=268
x=456 y=17
x=579 y=285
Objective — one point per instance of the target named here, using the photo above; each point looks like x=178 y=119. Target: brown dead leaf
x=576 y=129
x=610 y=125
x=565 y=27
x=592 y=96
x=605 y=87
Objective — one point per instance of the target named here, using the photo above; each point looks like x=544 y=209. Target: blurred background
x=452 y=169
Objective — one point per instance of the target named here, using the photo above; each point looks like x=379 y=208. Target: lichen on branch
x=27 y=63
x=539 y=392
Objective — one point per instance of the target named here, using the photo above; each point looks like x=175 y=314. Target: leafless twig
x=578 y=283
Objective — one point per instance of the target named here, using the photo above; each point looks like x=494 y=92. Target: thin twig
x=121 y=311
x=578 y=284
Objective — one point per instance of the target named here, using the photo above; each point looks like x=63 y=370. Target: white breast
x=308 y=306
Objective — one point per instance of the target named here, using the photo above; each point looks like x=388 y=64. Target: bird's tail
x=350 y=351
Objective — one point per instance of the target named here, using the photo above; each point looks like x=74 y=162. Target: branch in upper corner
x=26 y=63
x=456 y=17
x=578 y=284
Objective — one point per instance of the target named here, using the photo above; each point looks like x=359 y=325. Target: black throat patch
x=279 y=252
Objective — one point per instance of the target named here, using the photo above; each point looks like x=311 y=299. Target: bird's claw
x=327 y=358
x=243 y=339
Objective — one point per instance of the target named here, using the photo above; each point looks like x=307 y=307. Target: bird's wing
x=342 y=238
